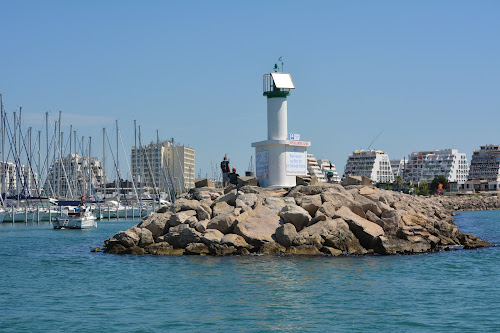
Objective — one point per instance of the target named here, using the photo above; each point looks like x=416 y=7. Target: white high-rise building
x=163 y=167
x=485 y=163
x=397 y=167
x=424 y=166
x=18 y=180
x=74 y=176
x=374 y=164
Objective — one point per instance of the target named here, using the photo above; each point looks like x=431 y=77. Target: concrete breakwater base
x=324 y=219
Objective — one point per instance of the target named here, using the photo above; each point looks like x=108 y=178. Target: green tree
x=423 y=189
x=398 y=183
x=434 y=186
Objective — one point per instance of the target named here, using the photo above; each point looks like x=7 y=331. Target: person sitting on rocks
x=233 y=177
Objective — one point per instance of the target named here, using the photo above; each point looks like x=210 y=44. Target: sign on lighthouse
x=280 y=158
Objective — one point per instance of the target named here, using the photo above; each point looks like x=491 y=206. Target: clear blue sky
x=427 y=73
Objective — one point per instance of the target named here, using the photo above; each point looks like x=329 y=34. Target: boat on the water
x=80 y=217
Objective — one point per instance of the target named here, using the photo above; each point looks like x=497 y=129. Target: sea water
x=51 y=282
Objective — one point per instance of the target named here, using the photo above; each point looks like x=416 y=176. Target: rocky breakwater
x=470 y=202
x=326 y=219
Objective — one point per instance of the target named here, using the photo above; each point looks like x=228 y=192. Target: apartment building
x=163 y=166
x=73 y=176
x=18 y=179
x=373 y=164
x=424 y=166
x=485 y=165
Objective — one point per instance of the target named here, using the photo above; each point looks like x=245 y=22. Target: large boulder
x=393 y=245
x=129 y=237
x=203 y=182
x=372 y=207
x=390 y=221
x=197 y=249
x=221 y=208
x=234 y=240
x=363 y=229
x=223 y=223
x=311 y=203
x=277 y=203
x=285 y=234
x=327 y=209
x=212 y=236
x=181 y=235
x=230 y=198
x=246 y=200
x=295 y=215
x=178 y=218
x=145 y=237
x=155 y=223
x=258 y=226
x=184 y=204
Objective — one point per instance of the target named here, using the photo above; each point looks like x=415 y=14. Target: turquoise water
x=50 y=281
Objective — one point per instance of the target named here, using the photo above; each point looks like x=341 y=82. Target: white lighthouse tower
x=281 y=157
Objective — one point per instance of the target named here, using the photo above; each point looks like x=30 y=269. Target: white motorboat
x=75 y=218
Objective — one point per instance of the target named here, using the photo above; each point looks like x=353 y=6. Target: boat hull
x=74 y=223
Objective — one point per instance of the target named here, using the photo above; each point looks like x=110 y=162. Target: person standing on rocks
x=224 y=165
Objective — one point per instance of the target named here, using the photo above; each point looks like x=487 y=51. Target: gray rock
x=363 y=229
x=156 y=223
x=196 y=249
x=181 y=235
x=234 y=240
x=146 y=237
x=201 y=226
x=203 y=182
x=372 y=207
x=221 y=208
x=224 y=223
x=211 y=236
x=177 y=218
x=257 y=226
x=128 y=238
x=184 y=204
x=285 y=234
x=229 y=198
x=327 y=209
x=191 y=221
x=311 y=203
x=221 y=249
x=295 y=215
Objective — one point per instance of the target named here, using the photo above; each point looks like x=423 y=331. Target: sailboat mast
x=4 y=166
x=104 y=161
x=117 y=164
x=39 y=160
x=47 y=143
x=141 y=170
x=134 y=162
x=158 y=151
x=60 y=153
x=89 y=169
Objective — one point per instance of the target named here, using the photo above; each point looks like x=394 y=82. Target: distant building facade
x=485 y=165
x=163 y=166
x=73 y=176
x=397 y=167
x=424 y=166
x=373 y=164
x=20 y=179
x=327 y=166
